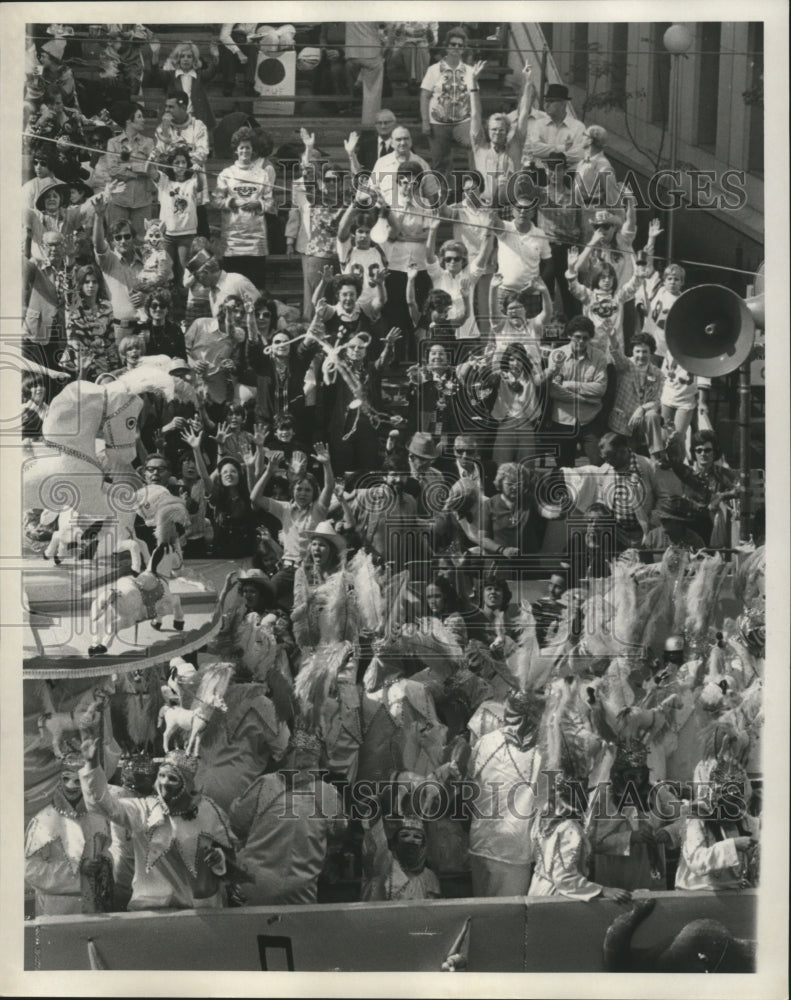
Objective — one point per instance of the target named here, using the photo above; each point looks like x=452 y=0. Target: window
x=755 y=99
x=579 y=64
x=620 y=58
x=660 y=78
x=708 y=83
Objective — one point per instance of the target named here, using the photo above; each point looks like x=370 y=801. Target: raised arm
x=100 y=207
x=431 y=240
x=477 y=134
x=526 y=102
x=411 y=300
x=322 y=455
x=192 y=438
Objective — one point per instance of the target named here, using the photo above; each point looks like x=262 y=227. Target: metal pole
x=744 y=452
x=673 y=116
x=544 y=57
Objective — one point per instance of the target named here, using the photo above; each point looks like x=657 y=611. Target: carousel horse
x=193 y=712
x=700 y=946
x=82 y=717
x=68 y=473
x=135 y=599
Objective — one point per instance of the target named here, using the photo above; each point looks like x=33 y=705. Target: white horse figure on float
x=69 y=473
x=190 y=710
x=147 y=596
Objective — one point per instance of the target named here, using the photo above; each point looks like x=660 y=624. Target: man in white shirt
x=558 y=131
x=522 y=248
x=386 y=167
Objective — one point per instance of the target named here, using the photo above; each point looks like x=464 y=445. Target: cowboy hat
x=423 y=445
x=325 y=530
x=259 y=579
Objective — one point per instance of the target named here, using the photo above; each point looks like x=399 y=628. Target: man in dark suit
x=466 y=463
x=372 y=146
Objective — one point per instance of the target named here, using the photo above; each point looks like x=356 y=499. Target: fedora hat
x=325 y=530
x=423 y=445
x=556 y=92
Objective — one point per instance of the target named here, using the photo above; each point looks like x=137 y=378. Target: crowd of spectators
x=472 y=392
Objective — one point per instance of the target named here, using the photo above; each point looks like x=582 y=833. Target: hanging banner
x=275 y=75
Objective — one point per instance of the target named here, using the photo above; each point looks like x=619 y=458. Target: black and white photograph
x=395 y=499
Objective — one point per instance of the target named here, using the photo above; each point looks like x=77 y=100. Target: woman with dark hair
x=89 y=327
x=245 y=192
x=280 y=379
x=162 y=334
x=132 y=196
x=229 y=497
x=708 y=485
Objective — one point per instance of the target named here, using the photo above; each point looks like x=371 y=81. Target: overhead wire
x=417 y=214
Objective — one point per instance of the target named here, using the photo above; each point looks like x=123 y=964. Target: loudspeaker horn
x=710 y=329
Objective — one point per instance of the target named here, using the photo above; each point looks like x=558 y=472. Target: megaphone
x=710 y=329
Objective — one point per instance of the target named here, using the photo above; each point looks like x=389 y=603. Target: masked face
x=169 y=784
x=70 y=786
x=411 y=850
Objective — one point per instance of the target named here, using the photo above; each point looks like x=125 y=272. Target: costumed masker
x=67 y=858
x=181 y=839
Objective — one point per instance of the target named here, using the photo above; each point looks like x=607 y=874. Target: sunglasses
x=157 y=305
x=455 y=45
x=704 y=451
x=465 y=451
x=156 y=468
x=451 y=257
x=124 y=237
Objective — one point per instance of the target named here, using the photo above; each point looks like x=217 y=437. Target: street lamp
x=678 y=41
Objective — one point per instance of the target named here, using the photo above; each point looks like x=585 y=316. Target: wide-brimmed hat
x=55 y=48
x=52 y=185
x=423 y=445
x=82 y=186
x=604 y=218
x=556 y=92
x=675 y=508
x=259 y=579
x=325 y=530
